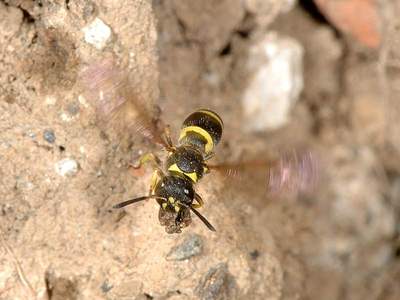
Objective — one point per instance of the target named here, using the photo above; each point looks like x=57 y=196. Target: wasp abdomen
x=202 y=129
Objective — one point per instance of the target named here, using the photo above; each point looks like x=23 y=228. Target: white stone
x=65 y=117
x=82 y=100
x=268 y=6
x=66 y=167
x=275 y=65
x=97 y=33
x=50 y=100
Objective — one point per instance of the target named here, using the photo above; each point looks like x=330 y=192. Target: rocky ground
x=320 y=76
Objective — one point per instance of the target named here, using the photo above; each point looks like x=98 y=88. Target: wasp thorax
x=188 y=161
x=203 y=130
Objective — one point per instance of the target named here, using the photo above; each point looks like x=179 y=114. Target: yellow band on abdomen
x=209 y=145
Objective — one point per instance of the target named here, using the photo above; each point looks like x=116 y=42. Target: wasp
x=172 y=185
x=173 y=181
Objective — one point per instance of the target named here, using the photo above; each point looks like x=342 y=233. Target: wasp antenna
x=135 y=200
x=203 y=219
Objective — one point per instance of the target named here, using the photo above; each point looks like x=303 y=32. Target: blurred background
x=315 y=78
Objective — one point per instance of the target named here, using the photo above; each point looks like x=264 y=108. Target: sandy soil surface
x=63 y=165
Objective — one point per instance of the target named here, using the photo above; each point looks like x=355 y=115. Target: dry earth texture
x=62 y=169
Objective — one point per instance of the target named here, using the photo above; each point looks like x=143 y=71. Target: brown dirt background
x=60 y=239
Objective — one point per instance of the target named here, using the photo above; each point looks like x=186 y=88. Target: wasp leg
x=199 y=201
x=157 y=173
x=167 y=136
x=147 y=158
x=206 y=169
x=183 y=218
x=155 y=179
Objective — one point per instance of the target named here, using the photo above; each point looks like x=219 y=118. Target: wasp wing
x=294 y=171
x=116 y=101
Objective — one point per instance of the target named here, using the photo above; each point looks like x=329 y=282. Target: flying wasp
x=173 y=185
x=173 y=182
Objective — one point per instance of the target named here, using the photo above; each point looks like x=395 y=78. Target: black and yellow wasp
x=173 y=182
x=173 y=185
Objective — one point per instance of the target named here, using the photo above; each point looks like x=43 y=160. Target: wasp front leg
x=168 y=139
x=147 y=158
x=155 y=162
x=155 y=179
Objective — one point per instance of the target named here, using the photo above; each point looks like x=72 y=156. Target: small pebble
x=217 y=284
x=49 y=136
x=254 y=254
x=66 y=167
x=106 y=286
x=23 y=183
x=50 y=100
x=191 y=246
x=97 y=33
x=32 y=135
x=73 y=108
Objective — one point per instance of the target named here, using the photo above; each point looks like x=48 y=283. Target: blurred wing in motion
x=108 y=88
x=294 y=171
x=239 y=171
